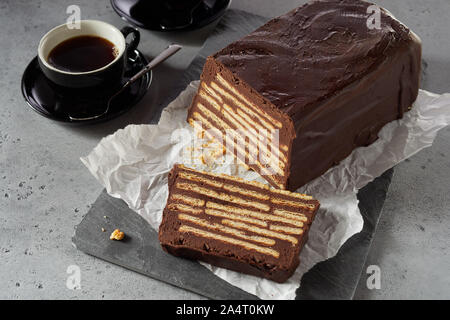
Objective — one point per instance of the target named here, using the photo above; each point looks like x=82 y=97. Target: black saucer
x=57 y=103
x=147 y=14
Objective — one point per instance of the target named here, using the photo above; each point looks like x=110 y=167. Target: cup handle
x=126 y=31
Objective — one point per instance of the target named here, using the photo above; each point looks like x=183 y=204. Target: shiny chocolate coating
x=333 y=79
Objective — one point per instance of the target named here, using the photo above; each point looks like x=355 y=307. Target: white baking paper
x=133 y=163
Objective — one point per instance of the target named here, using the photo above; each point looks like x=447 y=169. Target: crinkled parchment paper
x=132 y=164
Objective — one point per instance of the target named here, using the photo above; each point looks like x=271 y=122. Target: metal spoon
x=171 y=50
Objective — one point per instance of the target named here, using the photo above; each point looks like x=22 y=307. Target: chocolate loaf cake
x=235 y=224
x=319 y=78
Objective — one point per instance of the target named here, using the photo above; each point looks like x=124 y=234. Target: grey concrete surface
x=412 y=243
x=45 y=190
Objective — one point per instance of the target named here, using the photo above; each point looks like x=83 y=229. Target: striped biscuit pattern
x=221 y=209
x=219 y=105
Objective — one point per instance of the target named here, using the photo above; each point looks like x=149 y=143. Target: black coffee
x=82 y=54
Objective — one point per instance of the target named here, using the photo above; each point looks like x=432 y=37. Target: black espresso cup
x=109 y=75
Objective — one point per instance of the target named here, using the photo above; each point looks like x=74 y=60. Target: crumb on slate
x=117 y=235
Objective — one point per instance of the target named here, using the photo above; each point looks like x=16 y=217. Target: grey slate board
x=140 y=251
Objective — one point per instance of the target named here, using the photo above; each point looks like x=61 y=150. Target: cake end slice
x=236 y=224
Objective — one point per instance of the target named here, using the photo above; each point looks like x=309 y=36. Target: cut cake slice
x=235 y=224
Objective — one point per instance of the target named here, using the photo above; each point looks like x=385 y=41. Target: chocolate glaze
x=335 y=82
